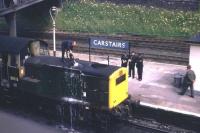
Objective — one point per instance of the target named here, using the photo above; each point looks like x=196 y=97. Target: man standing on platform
x=133 y=59
x=139 y=66
x=188 y=81
x=67 y=46
x=124 y=60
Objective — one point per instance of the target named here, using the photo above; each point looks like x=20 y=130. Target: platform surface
x=157 y=88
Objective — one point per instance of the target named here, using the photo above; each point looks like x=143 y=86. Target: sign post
x=89 y=51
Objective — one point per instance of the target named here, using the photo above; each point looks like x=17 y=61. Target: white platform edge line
x=169 y=109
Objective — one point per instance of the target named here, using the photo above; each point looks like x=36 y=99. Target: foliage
x=93 y=17
x=90 y=16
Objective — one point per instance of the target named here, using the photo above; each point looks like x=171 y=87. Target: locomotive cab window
x=120 y=79
x=37 y=48
x=44 y=49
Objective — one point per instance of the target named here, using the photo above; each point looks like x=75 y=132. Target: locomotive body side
x=102 y=86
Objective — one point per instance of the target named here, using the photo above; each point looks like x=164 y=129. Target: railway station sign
x=104 y=43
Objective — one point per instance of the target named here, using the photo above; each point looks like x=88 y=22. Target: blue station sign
x=108 y=44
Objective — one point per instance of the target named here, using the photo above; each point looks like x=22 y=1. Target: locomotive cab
x=11 y=69
x=13 y=53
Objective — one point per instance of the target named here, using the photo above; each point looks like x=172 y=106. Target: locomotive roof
x=86 y=67
x=13 y=45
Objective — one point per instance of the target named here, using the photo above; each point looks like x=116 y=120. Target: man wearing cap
x=132 y=64
x=188 y=81
x=139 y=66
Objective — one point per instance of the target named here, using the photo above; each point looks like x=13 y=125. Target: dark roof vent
x=97 y=65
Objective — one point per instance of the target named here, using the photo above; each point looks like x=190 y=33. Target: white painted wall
x=194 y=60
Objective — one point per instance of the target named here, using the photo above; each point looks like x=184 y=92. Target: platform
x=156 y=90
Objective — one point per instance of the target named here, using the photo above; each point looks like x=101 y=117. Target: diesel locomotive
x=32 y=78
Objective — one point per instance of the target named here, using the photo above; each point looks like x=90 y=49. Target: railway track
x=152 y=52
x=130 y=125
x=155 y=49
x=152 y=126
x=133 y=122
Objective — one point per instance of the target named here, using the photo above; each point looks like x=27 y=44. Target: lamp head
x=54 y=10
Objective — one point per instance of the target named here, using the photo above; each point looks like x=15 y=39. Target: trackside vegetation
x=90 y=16
x=108 y=18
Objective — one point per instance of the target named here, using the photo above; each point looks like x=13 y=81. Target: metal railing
x=4 y=4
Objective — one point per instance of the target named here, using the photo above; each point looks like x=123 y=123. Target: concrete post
x=11 y=21
x=54 y=38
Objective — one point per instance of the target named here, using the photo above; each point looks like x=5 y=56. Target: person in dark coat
x=67 y=46
x=124 y=60
x=188 y=81
x=132 y=63
x=139 y=66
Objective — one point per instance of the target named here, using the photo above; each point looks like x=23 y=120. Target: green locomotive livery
x=29 y=75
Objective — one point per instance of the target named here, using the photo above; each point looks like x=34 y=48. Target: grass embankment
x=93 y=17
x=112 y=19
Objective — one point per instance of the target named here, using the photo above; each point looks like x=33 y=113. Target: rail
x=161 y=50
x=152 y=126
x=173 y=51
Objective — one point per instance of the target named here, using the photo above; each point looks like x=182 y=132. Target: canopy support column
x=11 y=21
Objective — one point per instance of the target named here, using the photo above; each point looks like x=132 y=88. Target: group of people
x=132 y=61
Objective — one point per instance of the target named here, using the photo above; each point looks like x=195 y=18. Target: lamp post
x=53 y=12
